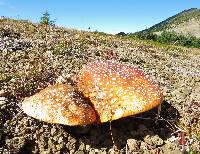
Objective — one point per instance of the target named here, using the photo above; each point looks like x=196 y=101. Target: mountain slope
x=186 y=23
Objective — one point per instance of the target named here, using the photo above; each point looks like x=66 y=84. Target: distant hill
x=185 y=23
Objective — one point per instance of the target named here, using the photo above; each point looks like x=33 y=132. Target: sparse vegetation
x=181 y=29
x=121 y=34
x=46 y=20
x=25 y=70
x=167 y=37
x=99 y=33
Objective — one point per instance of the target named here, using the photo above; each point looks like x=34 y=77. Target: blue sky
x=110 y=16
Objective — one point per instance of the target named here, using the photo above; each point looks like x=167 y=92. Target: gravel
x=33 y=56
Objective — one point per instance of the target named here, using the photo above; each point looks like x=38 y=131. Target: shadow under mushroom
x=99 y=136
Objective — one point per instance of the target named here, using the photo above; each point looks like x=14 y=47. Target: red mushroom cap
x=118 y=90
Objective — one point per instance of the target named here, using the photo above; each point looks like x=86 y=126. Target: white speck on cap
x=118 y=113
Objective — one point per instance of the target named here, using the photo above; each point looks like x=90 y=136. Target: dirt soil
x=33 y=56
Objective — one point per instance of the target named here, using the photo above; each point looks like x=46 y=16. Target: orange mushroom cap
x=114 y=91
x=61 y=104
x=118 y=90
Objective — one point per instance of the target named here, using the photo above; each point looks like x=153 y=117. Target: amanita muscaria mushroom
x=118 y=90
x=61 y=104
x=111 y=91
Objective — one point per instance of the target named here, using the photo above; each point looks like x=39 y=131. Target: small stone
x=3 y=100
x=148 y=140
x=41 y=130
x=60 y=79
x=153 y=140
x=72 y=141
x=2 y=92
x=55 y=138
x=79 y=152
x=111 y=151
x=132 y=145
x=72 y=151
x=70 y=146
x=172 y=139
x=102 y=152
x=92 y=151
x=60 y=140
x=82 y=147
x=96 y=150
x=53 y=130
x=157 y=140
x=87 y=147
x=144 y=146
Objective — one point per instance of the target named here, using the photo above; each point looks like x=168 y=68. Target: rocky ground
x=33 y=56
